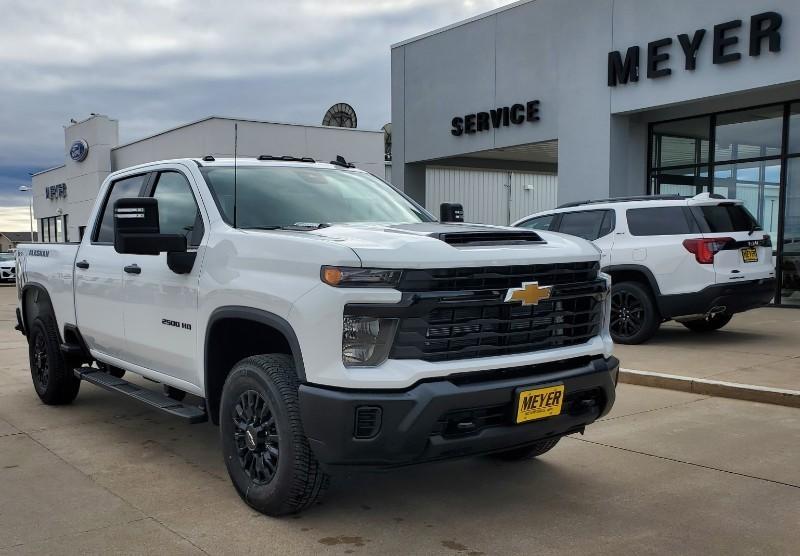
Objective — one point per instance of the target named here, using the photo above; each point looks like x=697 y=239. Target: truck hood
x=437 y=245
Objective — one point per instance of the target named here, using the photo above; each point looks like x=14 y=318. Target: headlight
x=366 y=340
x=351 y=277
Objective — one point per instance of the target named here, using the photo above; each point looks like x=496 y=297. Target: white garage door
x=490 y=196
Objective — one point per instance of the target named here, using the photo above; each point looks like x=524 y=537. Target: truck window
x=178 y=212
x=660 y=221
x=590 y=224
x=127 y=187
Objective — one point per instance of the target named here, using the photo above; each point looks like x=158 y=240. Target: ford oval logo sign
x=79 y=150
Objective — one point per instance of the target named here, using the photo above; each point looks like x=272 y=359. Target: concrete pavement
x=760 y=347
x=665 y=472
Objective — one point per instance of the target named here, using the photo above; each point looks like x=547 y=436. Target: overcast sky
x=153 y=64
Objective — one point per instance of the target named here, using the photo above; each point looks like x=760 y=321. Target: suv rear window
x=725 y=218
x=661 y=221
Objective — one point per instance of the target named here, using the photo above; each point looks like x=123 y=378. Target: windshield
x=6 y=257
x=278 y=196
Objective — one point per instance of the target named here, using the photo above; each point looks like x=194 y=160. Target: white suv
x=696 y=260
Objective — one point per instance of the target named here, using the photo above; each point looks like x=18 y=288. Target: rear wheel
x=709 y=324
x=634 y=317
x=266 y=451
x=53 y=379
x=528 y=452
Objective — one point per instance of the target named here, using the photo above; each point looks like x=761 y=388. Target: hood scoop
x=499 y=237
x=463 y=234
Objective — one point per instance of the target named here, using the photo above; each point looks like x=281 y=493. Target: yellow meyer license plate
x=539 y=403
x=750 y=254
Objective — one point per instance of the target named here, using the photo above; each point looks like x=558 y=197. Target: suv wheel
x=53 y=379
x=634 y=318
x=266 y=451
x=709 y=324
x=528 y=452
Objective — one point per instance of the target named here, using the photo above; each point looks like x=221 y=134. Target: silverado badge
x=531 y=293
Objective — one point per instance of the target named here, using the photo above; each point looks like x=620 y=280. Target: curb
x=748 y=392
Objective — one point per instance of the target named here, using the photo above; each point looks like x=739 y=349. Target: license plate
x=750 y=254
x=539 y=403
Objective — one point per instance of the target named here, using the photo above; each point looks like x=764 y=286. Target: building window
x=54 y=229
x=751 y=154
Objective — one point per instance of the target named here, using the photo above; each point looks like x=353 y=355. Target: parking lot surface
x=759 y=347
x=665 y=472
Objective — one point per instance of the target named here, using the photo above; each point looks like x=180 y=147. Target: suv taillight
x=705 y=248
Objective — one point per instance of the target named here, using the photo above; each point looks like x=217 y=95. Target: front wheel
x=714 y=322
x=266 y=451
x=53 y=379
x=634 y=317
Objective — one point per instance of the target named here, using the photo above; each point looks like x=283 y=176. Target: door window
x=589 y=224
x=178 y=212
x=127 y=187
x=538 y=223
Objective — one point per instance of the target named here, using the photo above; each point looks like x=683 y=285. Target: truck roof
x=263 y=160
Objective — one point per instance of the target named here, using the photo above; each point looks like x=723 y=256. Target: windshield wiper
x=753 y=227
x=297 y=226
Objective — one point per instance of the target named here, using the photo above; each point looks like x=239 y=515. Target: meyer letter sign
x=764 y=31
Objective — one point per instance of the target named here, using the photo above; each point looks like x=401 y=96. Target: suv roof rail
x=624 y=199
x=286 y=158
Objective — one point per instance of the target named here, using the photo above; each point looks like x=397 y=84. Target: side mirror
x=137 y=232
x=451 y=212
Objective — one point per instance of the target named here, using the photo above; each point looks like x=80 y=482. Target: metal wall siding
x=484 y=194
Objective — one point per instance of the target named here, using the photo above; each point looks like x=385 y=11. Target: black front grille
x=496 y=277
x=477 y=322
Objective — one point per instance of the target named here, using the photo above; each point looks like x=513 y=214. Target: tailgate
x=746 y=252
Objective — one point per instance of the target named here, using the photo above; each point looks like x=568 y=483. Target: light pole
x=30 y=208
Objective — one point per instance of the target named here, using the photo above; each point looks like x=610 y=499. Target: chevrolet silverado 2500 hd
x=323 y=319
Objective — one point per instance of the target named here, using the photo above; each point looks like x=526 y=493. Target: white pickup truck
x=321 y=318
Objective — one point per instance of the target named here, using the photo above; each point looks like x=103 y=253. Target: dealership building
x=611 y=98
x=64 y=196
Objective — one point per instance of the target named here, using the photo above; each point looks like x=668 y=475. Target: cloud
x=156 y=63
x=14 y=219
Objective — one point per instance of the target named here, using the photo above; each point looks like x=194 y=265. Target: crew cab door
x=160 y=306
x=98 y=275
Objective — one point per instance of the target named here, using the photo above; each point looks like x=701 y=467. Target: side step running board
x=155 y=400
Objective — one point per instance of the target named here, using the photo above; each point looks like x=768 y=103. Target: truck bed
x=51 y=265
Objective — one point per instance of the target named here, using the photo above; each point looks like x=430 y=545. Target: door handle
x=133 y=269
x=82 y=264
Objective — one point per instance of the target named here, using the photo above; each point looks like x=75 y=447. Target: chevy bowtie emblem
x=531 y=293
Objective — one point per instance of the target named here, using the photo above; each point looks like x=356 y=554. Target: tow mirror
x=137 y=232
x=451 y=212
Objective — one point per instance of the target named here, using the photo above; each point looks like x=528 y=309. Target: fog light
x=366 y=340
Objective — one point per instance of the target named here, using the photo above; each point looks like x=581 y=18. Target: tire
x=528 y=452
x=634 y=317
x=267 y=454
x=708 y=325
x=54 y=380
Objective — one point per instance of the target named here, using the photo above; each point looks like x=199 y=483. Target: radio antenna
x=235 y=155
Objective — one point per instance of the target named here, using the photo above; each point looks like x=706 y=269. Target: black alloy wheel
x=634 y=317
x=627 y=314
x=39 y=363
x=256 y=435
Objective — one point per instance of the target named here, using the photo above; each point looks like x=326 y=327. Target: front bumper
x=736 y=298
x=431 y=421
